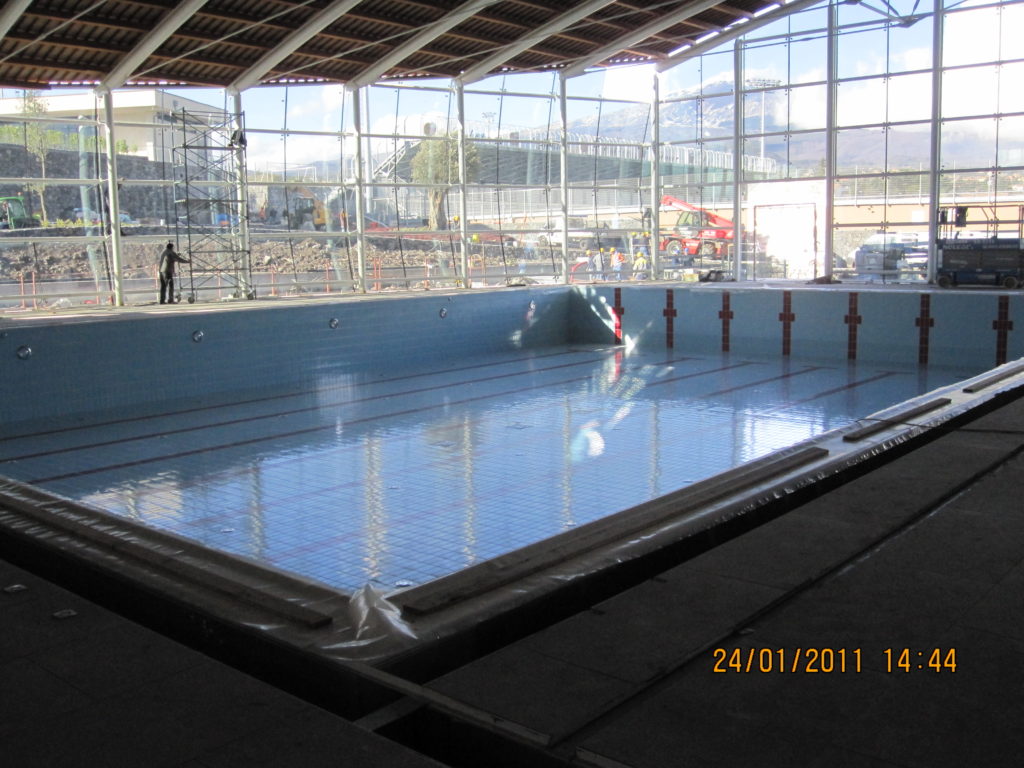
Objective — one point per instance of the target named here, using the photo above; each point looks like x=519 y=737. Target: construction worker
x=618 y=262
x=168 y=258
x=639 y=266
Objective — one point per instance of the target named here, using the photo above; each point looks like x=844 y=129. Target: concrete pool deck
x=923 y=553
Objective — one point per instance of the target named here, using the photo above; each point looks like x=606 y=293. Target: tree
x=39 y=139
x=436 y=165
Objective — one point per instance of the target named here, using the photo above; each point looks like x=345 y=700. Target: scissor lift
x=990 y=253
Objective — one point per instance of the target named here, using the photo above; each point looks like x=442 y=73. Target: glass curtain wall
x=300 y=149
x=52 y=208
x=826 y=141
x=981 y=167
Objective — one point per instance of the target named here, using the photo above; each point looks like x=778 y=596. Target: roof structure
x=238 y=44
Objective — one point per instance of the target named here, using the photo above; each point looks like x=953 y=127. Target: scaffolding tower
x=211 y=204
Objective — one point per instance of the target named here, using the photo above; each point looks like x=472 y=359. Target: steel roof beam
x=735 y=31
x=480 y=70
x=10 y=13
x=639 y=34
x=310 y=29
x=416 y=42
x=119 y=75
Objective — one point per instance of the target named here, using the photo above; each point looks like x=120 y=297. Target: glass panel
x=806 y=108
x=716 y=116
x=908 y=147
x=264 y=107
x=968 y=143
x=679 y=120
x=971 y=37
x=681 y=80
x=1010 y=30
x=755 y=107
x=766 y=61
x=862 y=52
x=760 y=158
x=807 y=154
x=717 y=72
x=910 y=48
x=814 y=18
x=710 y=196
x=906 y=201
x=861 y=102
x=1011 y=95
x=1011 y=146
x=972 y=91
x=852 y=13
x=807 y=60
x=910 y=97
x=1008 y=187
x=965 y=187
x=857 y=150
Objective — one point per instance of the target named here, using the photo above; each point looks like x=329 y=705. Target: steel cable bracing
x=639 y=177
x=444 y=212
x=344 y=190
x=497 y=182
x=547 y=173
x=97 y=165
x=593 y=182
x=183 y=196
x=287 y=200
x=394 y=188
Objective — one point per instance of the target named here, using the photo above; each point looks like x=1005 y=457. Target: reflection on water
x=406 y=477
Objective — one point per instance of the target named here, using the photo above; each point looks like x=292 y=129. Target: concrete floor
x=924 y=553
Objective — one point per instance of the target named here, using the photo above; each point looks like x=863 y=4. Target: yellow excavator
x=302 y=203
x=13 y=214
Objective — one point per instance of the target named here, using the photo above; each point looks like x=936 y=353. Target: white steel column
x=831 y=88
x=737 y=159
x=10 y=13
x=460 y=104
x=654 y=234
x=563 y=118
x=935 y=151
x=113 y=196
x=357 y=121
x=242 y=190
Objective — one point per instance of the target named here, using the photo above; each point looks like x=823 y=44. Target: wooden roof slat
x=223 y=37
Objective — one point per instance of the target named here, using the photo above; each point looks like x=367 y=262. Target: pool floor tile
x=409 y=476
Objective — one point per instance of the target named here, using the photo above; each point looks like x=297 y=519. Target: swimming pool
x=399 y=478
x=396 y=441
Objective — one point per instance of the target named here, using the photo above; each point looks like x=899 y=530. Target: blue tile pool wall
x=89 y=365
x=972 y=329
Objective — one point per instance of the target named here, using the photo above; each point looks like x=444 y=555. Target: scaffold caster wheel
x=1010 y=282
x=191 y=298
x=943 y=281
x=251 y=295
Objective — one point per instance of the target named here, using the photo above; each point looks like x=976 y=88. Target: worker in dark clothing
x=167 y=259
